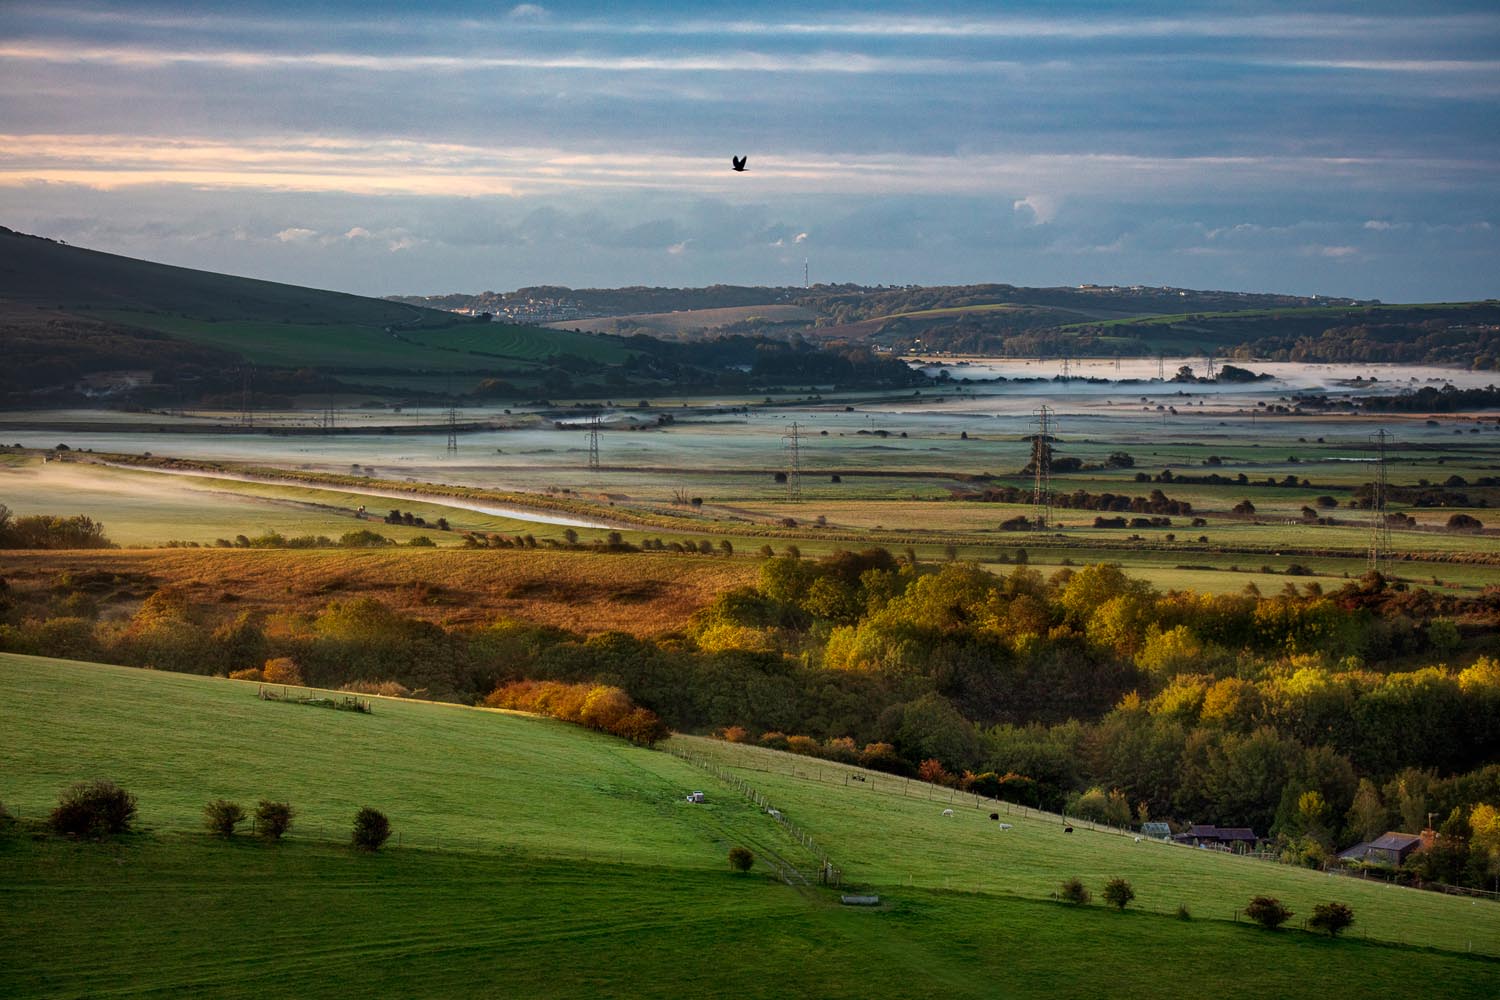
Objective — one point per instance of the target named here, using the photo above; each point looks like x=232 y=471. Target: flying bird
x=739 y=162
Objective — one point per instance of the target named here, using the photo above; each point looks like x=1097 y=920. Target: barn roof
x=1393 y=841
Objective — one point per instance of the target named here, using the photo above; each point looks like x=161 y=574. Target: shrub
x=741 y=858
x=1118 y=893
x=221 y=817
x=253 y=674
x=273 y=819
x=282 y=670
x=1074 y=891
x=371 y=829
x=1268 y=912
x=1331 y=917
x=93 y=809
x=1464 y=522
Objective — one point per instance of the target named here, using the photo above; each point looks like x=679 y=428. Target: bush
x=1118 y=893
x=1074 y=891
x=253 y=674
x=282 y=670
x=273 y=819
x=93 y=809
x=221 y=817
x=371 y=829
x=1331 y=917
x=1268 y=912
x=741 y=858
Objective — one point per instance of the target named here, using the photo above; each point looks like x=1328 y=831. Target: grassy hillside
x=540 y=860
x=67 y=311
x=51 y=275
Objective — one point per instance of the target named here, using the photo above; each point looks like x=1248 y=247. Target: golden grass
x=641 y=593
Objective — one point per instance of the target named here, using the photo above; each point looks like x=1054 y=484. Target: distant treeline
x=51 y=531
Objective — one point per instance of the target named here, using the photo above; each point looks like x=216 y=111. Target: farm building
x=1235 y=838
x=1390 y=848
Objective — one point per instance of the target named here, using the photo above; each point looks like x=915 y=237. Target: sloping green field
x=540 y=860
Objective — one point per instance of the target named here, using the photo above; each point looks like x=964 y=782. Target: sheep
x=994 y=816
x=947 y=812
x=1067 y=829
x=1006 y=826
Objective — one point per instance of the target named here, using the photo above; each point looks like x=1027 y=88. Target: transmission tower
x=793 y=441
x=247 y=397
x=1210 y=364
x=329 y=420
x=805 y=282
x=594 y=444
x=1161 y=367
x=1067 y=368
x=452 y=430
x=1041 y=462
x=1380 y=528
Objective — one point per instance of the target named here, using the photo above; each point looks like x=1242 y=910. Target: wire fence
x=828 y=873
x=849 y=776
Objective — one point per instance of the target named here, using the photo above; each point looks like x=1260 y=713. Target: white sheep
x=947 y=812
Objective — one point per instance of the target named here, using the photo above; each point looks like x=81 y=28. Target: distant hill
x=1017 y=321
x=78 y=323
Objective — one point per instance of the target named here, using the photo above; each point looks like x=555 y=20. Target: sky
x=1308 y=148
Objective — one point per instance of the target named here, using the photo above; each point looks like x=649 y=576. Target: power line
x=793 y=442
x=247 y=397
x=1041 y=461
x=1380 y=527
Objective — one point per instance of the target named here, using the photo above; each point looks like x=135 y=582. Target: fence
x=847 y=776
x=828 y=872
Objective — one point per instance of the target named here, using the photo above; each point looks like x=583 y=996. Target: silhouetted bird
x=739 y=162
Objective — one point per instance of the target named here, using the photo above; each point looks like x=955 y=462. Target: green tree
x=1331 y=918
x=1268 y=912
x=221 y=817
x=1118 y=893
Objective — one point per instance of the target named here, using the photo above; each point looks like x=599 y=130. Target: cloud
x=296 y=235
x=1331 y=252
x=528 y=12
x=1042 y=208
x=738 y=62
x=800 y=238
x=357 y=233
x=678 y=249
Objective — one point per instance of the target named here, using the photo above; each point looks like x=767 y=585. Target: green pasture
x=537 y=859
x=185 y=915
x=353 y=347
x=889 y=832
x=447 y=776
x=521 y=343
x=341 y=346
x=150 y=509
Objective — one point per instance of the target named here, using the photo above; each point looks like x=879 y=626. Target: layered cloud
x=1260 y=146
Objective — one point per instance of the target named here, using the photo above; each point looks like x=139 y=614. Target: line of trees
x=1316 y=717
